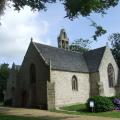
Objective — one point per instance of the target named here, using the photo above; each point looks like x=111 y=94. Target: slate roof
x=71 y=61
x=63 y=59
x=93 y=58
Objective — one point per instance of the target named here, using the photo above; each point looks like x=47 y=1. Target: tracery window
x=111 y=75
x=74 y=83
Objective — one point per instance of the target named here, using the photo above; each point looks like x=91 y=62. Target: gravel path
x=48 y=115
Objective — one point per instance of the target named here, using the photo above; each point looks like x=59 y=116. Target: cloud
x=16 y=30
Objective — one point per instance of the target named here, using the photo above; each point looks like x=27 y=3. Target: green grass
x=12 y=117
x=80 y=109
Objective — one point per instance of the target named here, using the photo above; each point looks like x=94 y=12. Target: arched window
x=32 y=74
x=111 y=75
x=64 y=35
x=74 y=83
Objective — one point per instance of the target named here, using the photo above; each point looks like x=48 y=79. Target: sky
x=44 y=27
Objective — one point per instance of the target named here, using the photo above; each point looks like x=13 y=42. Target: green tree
x=80 y=45
x=73 y=8
x=2 y=6
x=4 y=73
x=115 y=43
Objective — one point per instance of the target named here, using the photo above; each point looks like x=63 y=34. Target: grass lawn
x=12 y=117
x=80 y=109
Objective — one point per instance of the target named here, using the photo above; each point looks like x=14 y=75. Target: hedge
x=102 y=104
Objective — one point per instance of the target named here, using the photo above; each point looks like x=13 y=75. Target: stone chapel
x=51 y=77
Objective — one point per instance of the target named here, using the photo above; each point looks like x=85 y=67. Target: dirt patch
x=48 y=115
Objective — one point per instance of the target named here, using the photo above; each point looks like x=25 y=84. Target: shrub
x=113 y=97
x=102 y=104
x=116 y=102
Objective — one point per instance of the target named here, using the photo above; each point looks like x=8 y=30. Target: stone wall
x=50 y=96
x=108 y=58
x=42 y=76
x=11 y=85
x=94 y=79
x=64 y=95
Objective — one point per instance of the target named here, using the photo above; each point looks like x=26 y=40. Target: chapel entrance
x=24 y=98
x=32 y=85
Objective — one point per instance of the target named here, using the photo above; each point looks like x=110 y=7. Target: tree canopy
x=73 y=8
x=80 y=45
x=115 y=42
x=4 y=73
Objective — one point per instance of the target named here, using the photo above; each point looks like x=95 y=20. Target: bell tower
x=63 y=41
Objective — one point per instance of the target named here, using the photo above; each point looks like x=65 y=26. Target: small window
x=111 y=75
x=74 y=83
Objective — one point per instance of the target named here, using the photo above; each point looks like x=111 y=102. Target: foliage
x=113 y=97
x=99 y=30
x=76 y=107
x=4 y=73
x=102 y=104
x=2 y=6
x=73 y=8
x=80 y=45
x=116 y=102
x=115 y=42
x=80 y=109
x=34 y=4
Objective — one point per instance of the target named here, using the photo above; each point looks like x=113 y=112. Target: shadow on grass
x=12 y=117
x=83 y=110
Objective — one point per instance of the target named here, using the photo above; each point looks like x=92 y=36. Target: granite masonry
x=51 y=77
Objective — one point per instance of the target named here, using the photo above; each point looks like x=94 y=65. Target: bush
x=102 y=104
x=113 y=97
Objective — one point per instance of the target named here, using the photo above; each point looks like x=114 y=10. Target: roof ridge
x=95 y=49
x=63 y=59
x=93 y=58
x=39 y=52
x=58 y=48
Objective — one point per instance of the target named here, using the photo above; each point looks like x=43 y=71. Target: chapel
x=51 y=77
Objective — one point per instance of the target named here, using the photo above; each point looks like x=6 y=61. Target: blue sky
x=44 y=27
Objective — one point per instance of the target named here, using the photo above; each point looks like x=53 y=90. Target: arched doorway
x=24 y=98
x=32 y=85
